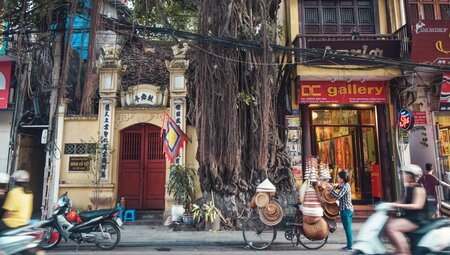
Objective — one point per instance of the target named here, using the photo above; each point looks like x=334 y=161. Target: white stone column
x=178 y=92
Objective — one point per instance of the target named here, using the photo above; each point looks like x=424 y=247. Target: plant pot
x=213 y=226
x=188 y=220
x=177 y=212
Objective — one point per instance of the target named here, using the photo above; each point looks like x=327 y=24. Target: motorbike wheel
x=110 y=243
x=50 y=240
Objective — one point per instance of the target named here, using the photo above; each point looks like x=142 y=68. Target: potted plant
x=181 y=184
x=212 y=221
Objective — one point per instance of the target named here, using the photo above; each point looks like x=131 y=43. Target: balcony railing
x=399 y=37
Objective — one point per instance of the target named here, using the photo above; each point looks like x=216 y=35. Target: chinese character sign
x=105 y=139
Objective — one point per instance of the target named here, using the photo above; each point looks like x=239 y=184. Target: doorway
x=142 y=167
x=347 y=140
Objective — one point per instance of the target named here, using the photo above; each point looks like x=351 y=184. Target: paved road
x=286 y=249
x=159 y=240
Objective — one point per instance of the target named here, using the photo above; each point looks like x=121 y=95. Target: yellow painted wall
x=77 y=130
x=77 y=184
x=191 y=150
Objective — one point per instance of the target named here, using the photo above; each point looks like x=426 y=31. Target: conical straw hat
x=272 y=214
x=262 y=199
x=266 y=186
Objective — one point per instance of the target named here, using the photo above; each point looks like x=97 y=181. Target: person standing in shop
x=344 y=194
x=430 y=182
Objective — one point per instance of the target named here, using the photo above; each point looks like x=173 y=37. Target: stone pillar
x=178 y=92
x=110 y=71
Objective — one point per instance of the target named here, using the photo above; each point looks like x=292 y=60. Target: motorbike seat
x=89 y=215
x=431 y=225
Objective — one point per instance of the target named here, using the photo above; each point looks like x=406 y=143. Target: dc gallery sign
x=405 y=119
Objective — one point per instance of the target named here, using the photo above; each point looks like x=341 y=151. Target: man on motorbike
x=18 y=205
x=414 y=210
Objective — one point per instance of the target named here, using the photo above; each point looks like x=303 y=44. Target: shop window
x=445 y=11
x=335 y=117
x=429 y=9
x=367 y=117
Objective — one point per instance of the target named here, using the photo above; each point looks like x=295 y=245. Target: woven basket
x=253 y=202
x=331 y=209
x=262 y=199
x=328 y=197
x=272 y=214
x=316 y=231
x=310 y=219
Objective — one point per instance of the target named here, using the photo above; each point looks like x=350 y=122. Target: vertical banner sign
x=178 y=112
x=444 y=101
x=105 y=138
x=5 y=80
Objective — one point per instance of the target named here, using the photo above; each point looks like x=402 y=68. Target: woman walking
x=344 y=194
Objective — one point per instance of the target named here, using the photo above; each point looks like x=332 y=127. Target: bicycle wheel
x=258 y=235
x=311 y=244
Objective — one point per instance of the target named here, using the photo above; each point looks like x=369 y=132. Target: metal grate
x=79 y=148
x=155 y=146
x=131 y=149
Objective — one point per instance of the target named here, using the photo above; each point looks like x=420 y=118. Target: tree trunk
x=238 y=107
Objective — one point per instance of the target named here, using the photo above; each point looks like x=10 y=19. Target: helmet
x=413 y=169
x=4 y=178
x=21 y=176
x=72 y=216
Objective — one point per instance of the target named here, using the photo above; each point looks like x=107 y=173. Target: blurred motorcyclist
x=414 y=209
x=4 y=182
x=18 y=205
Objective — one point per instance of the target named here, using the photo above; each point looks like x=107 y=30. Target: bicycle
x=260 y=236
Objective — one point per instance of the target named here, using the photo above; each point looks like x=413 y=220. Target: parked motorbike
x=433 y=238
x=24 y=240
x=100 y=227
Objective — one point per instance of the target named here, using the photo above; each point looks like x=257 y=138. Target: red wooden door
x=142 y=167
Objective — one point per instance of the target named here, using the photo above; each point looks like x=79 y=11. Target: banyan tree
x=238 y=105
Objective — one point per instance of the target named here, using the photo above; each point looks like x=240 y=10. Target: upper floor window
x=429 y=9
x=337 y=16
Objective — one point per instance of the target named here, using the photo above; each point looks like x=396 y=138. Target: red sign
x=431 y=42
x=444 y=101
x=342 y=92
x=405 y=119
x=420 y=118
x=5 y=76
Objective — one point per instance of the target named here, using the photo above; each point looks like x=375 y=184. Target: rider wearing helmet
x=18 y=205
x=414 y=209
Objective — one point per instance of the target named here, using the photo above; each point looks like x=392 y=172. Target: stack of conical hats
x=270 y=212
x=312 y=209
x=324 y=172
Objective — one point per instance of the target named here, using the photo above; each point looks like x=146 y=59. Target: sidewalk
x=150 y=236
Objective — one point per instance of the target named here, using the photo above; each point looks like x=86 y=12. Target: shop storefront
x=340 y=123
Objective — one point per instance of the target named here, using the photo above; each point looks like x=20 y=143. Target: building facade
x=345 y=102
